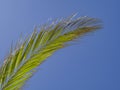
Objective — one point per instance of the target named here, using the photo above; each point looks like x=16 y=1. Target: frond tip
x=23 y=60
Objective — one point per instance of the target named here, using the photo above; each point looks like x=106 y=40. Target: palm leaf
x=25 y=57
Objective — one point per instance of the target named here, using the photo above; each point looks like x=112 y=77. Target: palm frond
x=23 y=60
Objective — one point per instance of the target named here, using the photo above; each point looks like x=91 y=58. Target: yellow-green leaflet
x=23 y=60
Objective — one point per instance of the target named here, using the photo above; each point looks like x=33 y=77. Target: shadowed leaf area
x=26 y=56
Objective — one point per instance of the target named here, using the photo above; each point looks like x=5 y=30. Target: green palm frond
x=23 y=60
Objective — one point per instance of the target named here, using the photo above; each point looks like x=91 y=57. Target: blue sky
x=93 y=64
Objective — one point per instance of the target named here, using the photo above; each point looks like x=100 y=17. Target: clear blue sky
x=93 y=64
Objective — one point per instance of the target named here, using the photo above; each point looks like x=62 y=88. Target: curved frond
x=23 y=60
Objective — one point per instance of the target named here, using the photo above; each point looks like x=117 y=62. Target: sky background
x=92 y=64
